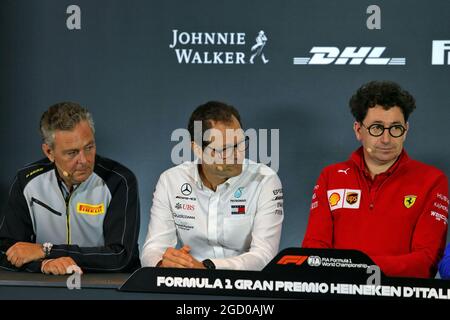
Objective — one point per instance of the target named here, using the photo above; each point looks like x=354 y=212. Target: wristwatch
x=47 y=247
x=209 y=264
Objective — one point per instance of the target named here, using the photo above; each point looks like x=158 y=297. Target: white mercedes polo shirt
x=238 y=226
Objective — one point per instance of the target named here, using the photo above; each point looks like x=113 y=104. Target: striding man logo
x=257 y=49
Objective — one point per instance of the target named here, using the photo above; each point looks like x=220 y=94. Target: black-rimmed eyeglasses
x=226 y=152
x=377 y=130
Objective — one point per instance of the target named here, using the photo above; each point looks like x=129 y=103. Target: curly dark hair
x=387 y=94
x=211 y=111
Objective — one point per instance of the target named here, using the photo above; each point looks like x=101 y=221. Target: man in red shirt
x=380 y=201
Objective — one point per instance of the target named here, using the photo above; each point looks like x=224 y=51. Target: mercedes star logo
x=186 y=189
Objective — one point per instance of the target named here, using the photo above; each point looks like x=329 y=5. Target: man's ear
x=198 y=151
x=48 y=151
x=357 y=130
x=407 y=129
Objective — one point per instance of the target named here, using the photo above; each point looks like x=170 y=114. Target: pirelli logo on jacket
x=91 y=209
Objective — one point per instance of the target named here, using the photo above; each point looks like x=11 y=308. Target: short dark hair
x=211 y=111
x=384 y=93
x=62 y=116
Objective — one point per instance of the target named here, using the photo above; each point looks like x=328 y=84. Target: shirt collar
x=62 y=185
x=197 y=179
x=358 y=158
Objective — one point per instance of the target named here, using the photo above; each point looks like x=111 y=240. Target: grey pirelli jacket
x=97 y=224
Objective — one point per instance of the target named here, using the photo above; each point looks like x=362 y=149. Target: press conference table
x=22 y=285
x=295 y=273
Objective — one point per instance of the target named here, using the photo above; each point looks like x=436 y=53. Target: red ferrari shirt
x=399 y=218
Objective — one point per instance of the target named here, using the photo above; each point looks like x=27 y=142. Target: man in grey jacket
x=73 y=208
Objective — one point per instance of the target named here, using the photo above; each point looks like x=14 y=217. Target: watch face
x=209 y=264
x=47 y=248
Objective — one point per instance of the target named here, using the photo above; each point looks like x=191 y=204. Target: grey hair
x=63 y=116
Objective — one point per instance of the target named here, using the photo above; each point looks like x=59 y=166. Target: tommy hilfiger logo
x=238 y=209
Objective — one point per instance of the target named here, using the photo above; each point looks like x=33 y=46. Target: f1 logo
x=438 y=52
x=298 y=260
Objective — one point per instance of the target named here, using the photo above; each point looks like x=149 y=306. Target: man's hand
x=60 y=266
x=180 y=258
x=24 y=252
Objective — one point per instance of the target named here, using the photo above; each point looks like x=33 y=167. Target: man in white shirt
x=223 y=210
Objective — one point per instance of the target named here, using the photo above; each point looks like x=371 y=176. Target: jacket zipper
x=372 y=200
x=68 y=219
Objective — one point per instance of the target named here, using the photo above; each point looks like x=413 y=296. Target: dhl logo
x=298 y=260
x=90 y=209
